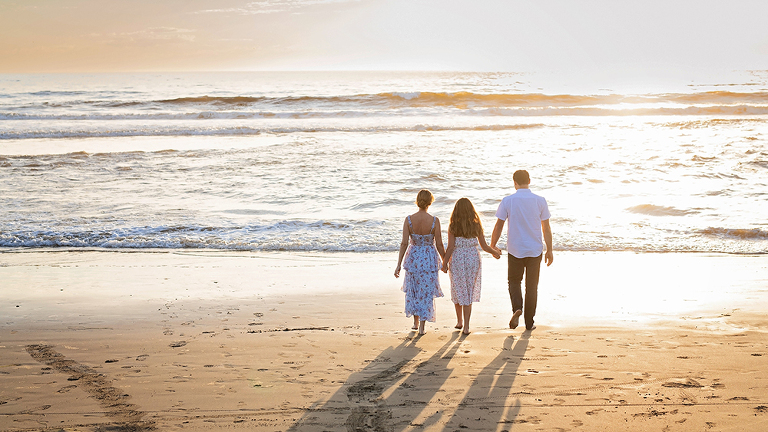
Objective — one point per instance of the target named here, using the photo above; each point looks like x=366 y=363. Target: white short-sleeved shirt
x=524 y=211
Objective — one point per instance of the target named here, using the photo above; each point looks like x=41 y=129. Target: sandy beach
x=202 y=206
x=207 y=340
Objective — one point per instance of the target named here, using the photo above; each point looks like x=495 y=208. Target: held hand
x=397 y=272
x=496 y=254
x=549 y=257
x=445 y=268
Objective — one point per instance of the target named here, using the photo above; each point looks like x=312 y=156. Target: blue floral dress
x=421 y=284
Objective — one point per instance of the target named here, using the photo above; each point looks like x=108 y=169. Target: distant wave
x=654 y=210
x=199 y=115
x=704 y=103
x=498 y=111
x=221 y=100
x=49 y=93
x=244 y=131
x=496 y=100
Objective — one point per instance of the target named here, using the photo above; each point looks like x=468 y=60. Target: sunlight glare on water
x=333 y=161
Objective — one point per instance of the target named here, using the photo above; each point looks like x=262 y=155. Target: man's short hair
x=521 y=177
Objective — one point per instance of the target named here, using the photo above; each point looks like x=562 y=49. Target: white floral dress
x=465 y=271
x=421 y=284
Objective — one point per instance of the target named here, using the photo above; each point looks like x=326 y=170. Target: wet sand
x=310 y=342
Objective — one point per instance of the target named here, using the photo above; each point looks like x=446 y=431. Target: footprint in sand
x=682 y=383
x=33 y=410
x=142 y=357
x=178 y=344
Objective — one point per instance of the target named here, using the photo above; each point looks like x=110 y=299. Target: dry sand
x=318 y=342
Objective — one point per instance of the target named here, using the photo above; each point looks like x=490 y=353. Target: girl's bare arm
x=449 y=251
x=495 y=252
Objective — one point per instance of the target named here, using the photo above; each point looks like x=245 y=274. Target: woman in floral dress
x=465 y=234
x=419 y=249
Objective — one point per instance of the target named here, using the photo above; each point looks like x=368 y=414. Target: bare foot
x=458 y=326
x=465 y=332
x=515 y=319
x=415 y=327
x=421 y=328
x=533 y=327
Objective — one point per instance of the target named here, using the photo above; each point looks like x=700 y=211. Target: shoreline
x=319 y=341
x=579 y=288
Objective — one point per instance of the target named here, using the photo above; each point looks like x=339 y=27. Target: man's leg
x=532 y=268
x=515 y=268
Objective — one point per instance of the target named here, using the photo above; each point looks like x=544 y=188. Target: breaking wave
x=737 y=233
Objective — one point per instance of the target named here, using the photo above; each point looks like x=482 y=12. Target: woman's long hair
x=465 y=222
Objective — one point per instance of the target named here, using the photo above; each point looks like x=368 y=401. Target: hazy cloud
x=272 y=6
x=597 y=37
x=154 y=34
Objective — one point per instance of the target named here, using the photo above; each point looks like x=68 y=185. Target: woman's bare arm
x=449 y=251
x=403 y=247
x=439 y=239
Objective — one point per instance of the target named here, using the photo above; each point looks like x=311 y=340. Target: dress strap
x=410 y=226
x=433 y=225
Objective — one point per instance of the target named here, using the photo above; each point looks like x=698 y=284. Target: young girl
x=422 y=262
x=462 y=257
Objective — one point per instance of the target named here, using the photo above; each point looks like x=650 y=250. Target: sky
x=467 y=35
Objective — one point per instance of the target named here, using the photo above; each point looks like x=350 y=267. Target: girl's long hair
x=465 y=222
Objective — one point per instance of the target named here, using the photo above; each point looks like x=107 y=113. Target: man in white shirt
x=528 y=217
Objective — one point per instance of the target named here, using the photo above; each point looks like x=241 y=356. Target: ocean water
x=333 y=161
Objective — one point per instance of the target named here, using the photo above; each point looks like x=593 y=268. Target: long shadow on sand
x=486 y=404
x=386 y=395
x=397 y=391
